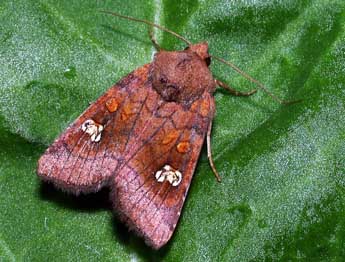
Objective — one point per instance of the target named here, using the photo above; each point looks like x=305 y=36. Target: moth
x=142 y=139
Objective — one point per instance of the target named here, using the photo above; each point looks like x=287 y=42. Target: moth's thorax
x=182 y=76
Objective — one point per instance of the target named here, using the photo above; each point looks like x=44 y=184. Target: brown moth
x=142 y=138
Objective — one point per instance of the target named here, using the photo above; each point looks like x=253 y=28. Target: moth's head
x=182 y=76
x=201 y=49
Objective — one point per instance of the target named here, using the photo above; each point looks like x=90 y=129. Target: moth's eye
x=187 y=47
x=163 y=80
x=208 y=61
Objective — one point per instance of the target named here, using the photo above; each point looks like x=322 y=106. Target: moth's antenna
x=259 y=84
x=148 y=23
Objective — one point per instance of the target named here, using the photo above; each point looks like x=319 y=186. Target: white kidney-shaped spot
x=93 y=129
x=173 y=176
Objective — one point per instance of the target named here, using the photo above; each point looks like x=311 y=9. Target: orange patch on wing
x=183 y=147
x=170 y=137
x=126 y=113
x=112 y=105
x=205 y=107
x=194 y=106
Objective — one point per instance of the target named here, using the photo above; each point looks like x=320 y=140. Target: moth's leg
x=233 y=91
x=154 y=41
x=209 y=152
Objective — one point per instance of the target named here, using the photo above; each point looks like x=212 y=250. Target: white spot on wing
x=174 y=177
x=93 y=129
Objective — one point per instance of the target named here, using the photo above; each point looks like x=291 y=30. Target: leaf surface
x=282 y=195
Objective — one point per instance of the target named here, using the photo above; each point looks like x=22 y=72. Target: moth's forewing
x=173 y=135
x=77 y=164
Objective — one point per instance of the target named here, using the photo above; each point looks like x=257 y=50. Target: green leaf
x=283 y=190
